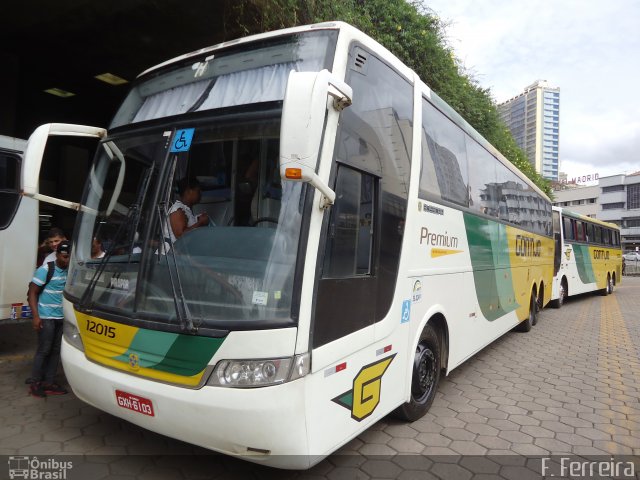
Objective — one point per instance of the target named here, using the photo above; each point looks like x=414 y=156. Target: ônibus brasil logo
x=34 y=468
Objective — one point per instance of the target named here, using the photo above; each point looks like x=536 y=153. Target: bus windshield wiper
x=131 y=219
x=130 y=223
x=182 y=308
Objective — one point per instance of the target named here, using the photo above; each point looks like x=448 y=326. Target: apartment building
x=533 y=117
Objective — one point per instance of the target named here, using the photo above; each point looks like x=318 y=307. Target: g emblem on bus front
x=364 y=397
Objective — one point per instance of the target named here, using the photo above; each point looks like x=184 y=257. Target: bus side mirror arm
x=32 y=159
x=309 y=98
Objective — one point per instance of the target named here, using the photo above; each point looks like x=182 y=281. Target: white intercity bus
x=18 y=233
x=367 y=241
x=588 y=256
x=26 y=219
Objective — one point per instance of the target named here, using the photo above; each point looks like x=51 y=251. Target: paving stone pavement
x=570 y=387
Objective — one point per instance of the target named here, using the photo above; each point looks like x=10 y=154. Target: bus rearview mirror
x=32 y=159
x=308 y=99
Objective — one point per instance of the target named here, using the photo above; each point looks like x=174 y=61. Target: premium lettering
x=437 y=239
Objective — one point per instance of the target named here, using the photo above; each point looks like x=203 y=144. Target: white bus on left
x=18 y=233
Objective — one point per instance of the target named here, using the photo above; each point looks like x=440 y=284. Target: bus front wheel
x=562 y=295
x=425 y=376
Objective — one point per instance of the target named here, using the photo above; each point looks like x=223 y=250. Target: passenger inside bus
x=181 y=217
x=96 y=248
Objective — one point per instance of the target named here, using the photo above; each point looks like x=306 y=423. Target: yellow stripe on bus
x=440 y=252
x=103 y=345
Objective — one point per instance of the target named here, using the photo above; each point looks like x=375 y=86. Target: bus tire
x=608 y=289
x=558 y=302
x=532 y=319
x=425 y=376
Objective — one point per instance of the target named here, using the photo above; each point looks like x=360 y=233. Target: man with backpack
x=45 y=300
x=54 y=237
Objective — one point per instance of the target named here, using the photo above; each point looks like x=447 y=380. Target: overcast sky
x=588 y=48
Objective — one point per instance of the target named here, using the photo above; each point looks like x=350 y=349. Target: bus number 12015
x=100 y=329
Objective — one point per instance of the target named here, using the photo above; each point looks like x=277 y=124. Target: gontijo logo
x=527 y=246
x=364 y=397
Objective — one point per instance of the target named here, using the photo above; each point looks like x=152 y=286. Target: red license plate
x=135 y=403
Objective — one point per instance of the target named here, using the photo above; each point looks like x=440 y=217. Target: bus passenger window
x=580 y=236
x=447 y=149
x=9 y=187
x=567 y=228
x=351 y=225
x=598 y=234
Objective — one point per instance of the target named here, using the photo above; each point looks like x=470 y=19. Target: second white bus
x=26 y=219
x=18 y=233
x=588 y=255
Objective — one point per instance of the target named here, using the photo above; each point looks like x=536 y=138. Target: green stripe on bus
x=583 y=263
x=185 y=355
x=189 y=355
x=150 y=346
x=491 y=266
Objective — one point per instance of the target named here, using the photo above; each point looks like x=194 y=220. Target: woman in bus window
x=181 y=217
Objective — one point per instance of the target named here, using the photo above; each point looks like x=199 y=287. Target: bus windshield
x=215 y=118
x=236 y=272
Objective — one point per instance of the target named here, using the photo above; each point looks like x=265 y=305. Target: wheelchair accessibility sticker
x=406 y=311
x=182 y=140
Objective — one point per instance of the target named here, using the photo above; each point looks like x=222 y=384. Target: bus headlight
x=259 y=372
x=72 y=335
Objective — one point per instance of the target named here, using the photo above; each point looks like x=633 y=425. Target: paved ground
x=569 y=387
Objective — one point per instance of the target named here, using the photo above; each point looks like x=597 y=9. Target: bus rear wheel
x=532 y=319
x=425 y=376
x=608 y=289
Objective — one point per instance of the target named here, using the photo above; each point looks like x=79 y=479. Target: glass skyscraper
x=533 y=118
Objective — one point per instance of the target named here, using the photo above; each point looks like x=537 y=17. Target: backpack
x=51 y=266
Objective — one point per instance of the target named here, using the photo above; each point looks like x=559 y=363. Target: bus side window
x=9 y=187
x=598 y=234
x=580 y=231
x=484 y=193
x=428 y=179
x=566 y=228
x=447 y=152
x=351 y=226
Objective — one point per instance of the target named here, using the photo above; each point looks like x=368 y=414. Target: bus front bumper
x=264 y=425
